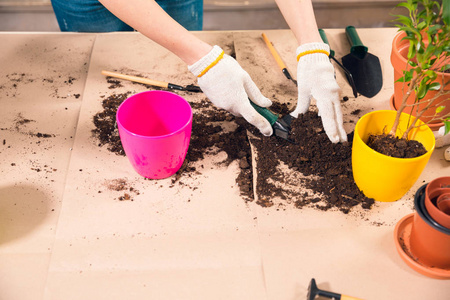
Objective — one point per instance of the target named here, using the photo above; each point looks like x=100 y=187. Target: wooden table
x=64 y=233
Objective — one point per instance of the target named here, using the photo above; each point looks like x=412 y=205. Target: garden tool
x=167 y=85
x=281 y=126
x=314 y=291
x=364 y=66
x=278 y=58
x=347 y=73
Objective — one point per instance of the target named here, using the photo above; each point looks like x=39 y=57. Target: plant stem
x=402 y=106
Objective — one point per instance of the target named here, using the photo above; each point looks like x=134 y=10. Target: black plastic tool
x=314 y=291
x=347 y=73
x=364 y=67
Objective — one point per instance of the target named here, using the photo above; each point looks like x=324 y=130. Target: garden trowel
x=364 y=67
x=167 y=85
x=277 y=57
x=281 y=126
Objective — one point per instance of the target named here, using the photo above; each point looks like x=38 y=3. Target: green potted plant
x=423 y=86
x=421 y=62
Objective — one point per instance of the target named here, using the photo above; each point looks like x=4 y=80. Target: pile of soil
x=325 y=167
x=395 y=147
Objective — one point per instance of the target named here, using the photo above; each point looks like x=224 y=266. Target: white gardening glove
x=315 y=78
x=229 y=87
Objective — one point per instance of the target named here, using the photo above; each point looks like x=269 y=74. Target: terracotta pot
x=437 y=200
x=382 y=177
x=429 y=241
x=399 y=62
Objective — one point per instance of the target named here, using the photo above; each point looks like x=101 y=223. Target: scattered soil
x=105 y=124
x=20 y=122
x=324 y=180
x=122 y=185
x=395 y=146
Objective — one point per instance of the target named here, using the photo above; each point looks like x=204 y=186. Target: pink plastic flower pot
x=155 y=130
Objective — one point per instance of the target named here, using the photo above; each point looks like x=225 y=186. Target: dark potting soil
x=329 y=165
x=395 y=147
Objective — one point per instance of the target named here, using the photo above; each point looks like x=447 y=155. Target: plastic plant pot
x=155 y=131
x=430 y=241
x=437 y=200
x=379 y=176
x=443 y=203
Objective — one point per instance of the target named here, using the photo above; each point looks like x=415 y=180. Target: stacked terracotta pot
x=427 y=247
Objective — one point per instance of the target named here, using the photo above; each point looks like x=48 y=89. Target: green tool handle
x=325 y=40
x=266 y=113
x=357 y=47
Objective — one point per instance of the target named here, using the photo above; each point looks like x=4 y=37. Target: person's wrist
x=204 y=64
x=313 y=52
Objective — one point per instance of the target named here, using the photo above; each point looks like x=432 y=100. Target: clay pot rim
x=395 y=42
x=419 y=205
x=433 y=126
x=435 y=213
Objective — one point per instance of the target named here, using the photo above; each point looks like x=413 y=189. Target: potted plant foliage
x=391 y=148
x=421 y=62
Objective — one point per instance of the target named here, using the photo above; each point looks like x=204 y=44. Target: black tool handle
x=357 y=46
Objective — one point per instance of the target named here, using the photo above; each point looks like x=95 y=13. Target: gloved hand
x=228 y=86
x=315 y=78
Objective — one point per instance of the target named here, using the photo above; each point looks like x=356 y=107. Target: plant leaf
x=440 y=109
x=422 y=91
x=446 y=11
x=435 y=86
x=447 y=127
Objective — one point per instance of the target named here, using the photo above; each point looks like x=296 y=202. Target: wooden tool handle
x=345 y=297
x=274 y=52
x=136 y=79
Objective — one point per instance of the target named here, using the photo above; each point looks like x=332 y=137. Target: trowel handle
x=357 y=47
x=325 y=40
x=265 y=112
x=273 y=51
x=136 y=79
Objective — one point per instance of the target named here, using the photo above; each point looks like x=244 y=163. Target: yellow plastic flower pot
x=379 y=176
